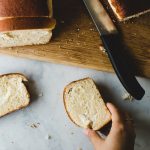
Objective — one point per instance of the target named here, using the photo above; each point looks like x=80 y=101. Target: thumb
x=94 y=137
x=116 y=116
x=117 y=122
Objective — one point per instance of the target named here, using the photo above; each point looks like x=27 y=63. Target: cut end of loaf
x=13 y=93
x=25 y=37
x=126 y=9
x=84 y=104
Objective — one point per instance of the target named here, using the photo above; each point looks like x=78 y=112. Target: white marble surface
x=46 y=86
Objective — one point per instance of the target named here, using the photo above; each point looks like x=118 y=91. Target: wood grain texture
x=76 y=41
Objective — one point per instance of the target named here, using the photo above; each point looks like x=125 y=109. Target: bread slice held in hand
x=84 y=104
x=13 y=93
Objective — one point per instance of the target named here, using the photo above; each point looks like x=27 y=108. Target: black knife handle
x=114 y=46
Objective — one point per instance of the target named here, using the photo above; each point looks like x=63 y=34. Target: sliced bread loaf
x=84 y=104
x=25 y=22
x=25 y=31
x=13 y=93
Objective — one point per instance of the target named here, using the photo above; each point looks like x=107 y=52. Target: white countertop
x=46 y=111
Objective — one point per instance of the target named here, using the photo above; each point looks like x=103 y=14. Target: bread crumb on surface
x=10 y=48
x=35 y=125
x=91 y=29
x=59 y=46
x=102 y=49
x=128 y=97
x=78 y=29
x=40 y=94
x=70 y=40
x=48 y=137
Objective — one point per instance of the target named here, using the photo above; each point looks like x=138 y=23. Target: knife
x=112 y=43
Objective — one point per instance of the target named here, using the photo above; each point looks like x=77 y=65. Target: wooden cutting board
x=76 y=41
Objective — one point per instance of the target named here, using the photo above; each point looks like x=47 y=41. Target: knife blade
x=113 y=44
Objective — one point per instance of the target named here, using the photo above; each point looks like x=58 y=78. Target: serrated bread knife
x=113 y=45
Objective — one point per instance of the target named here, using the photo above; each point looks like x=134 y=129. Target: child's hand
x=121 y=136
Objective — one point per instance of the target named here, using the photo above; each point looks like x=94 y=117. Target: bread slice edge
x=24 y=79
x=65 y=89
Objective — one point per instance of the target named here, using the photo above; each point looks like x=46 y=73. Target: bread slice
x=26 y=31
x=84 y=104
x=22 y=8
x=13 y=93
x=126 y=9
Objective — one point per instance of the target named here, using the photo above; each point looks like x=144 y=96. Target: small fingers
x=94 y=137
x=122 y=124
x=116 y=115
x=118 y=127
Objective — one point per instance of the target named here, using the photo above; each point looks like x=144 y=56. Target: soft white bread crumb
x=13 y=93
x=84 y=104
x=25 y=37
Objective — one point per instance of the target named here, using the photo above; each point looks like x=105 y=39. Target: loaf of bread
x=84 y=104
x=126 y=9
x=13 y=93
x=14 y=32
x=25 y=22
x=22 y=8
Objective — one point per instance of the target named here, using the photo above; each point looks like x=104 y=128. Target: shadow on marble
x=142 y=128
x=33 y=90
x=142 y=125
x=106 y=129
x=107 y=94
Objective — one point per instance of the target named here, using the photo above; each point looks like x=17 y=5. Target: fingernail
x=86 y=131
x=108 y=103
